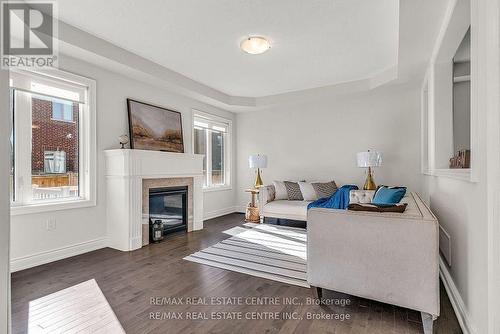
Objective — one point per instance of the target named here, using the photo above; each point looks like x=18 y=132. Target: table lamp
x=257 y=161
x=368 y=160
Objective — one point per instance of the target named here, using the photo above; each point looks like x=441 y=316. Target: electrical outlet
x=51 y=224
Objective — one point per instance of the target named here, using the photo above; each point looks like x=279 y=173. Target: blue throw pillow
x=389 y=195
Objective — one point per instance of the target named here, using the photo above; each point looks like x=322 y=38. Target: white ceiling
x=314 y=43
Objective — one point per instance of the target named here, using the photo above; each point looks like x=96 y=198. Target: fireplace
x=169 y=205
x=130 y=174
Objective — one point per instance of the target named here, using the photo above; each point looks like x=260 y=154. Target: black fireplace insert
x=170 y=206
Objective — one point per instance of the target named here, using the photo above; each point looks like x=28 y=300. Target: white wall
x=461 y=208
x=318 y=140
x=85 y=229
x=467 y=208
x=4 y=202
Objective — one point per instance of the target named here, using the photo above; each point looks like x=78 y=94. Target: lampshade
x=257 y=161
x=369 y=159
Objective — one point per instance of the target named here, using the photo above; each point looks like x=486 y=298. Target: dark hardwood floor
x=130 y=280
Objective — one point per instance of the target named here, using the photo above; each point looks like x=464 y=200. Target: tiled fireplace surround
x=148 y=184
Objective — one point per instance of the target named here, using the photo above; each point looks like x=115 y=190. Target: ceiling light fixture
x=255 y=45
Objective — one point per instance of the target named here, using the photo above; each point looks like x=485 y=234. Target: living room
x=269 y=130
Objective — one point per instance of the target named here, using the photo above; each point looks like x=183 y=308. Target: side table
x=252 y=212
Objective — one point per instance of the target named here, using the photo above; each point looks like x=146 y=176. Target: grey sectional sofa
x=280 y=209
x=388 y=257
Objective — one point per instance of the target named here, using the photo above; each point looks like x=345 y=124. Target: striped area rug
x=268 y=251
x=81 y=308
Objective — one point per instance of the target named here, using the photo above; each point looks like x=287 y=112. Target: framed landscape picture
x=154 y=128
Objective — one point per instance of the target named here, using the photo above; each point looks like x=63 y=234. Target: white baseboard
x=37 y=259
x=240 y=208
x=218 y=213
x=455 y=298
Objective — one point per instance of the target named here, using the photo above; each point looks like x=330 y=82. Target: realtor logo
x=28 y=34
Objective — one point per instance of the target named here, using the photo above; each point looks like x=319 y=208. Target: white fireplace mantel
x=125 y=170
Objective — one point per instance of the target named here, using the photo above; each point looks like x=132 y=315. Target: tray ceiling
x=314 y=43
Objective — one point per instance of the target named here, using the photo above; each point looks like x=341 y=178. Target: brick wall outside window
x=53 y=135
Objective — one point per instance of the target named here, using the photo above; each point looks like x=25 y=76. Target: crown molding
x=79 y=44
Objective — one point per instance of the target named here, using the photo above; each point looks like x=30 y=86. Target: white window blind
x=44 y=84
x=205 y=123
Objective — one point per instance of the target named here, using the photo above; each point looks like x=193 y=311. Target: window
x=52 y=141
x=54 y=162
x=211 y=137
x=62 y=111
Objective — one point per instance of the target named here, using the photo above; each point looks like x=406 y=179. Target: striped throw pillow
x=325 y=189
x=293 y=191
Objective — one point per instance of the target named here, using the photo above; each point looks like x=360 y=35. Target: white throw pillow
x=308 y=192
x=281 y=193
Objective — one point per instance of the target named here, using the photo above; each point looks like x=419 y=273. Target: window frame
x=87 y=153
x=227 y=150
